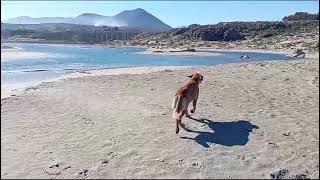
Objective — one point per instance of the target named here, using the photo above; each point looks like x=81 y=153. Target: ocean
x=67 y=58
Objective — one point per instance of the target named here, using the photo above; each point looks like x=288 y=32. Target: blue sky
x=174 y=13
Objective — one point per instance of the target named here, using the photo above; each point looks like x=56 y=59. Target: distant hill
x=63 y=27
x=141 y=18
x=66 y=32
x=137 y=19
x=300 y=22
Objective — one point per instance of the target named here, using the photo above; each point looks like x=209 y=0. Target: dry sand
x=8 y=90
x=253 y=119
x=246 y=50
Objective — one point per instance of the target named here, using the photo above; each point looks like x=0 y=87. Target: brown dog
x=188 y=92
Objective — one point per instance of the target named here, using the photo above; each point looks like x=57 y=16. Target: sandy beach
x=282 y=51
x=253 y=120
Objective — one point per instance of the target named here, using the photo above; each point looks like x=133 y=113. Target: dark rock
x=84 y=172
x=286 y=134
x=68 y=167
x=299 y=53
x=273 y=144
x=195 y=164
x=105 y=161
x=189 y=50
x=299 y=176
x=280 y=174
x=54 y=165
x=284 y=174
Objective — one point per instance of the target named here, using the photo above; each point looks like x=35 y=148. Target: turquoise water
x=64 y=59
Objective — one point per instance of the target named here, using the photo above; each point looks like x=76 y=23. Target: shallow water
x=64 y=59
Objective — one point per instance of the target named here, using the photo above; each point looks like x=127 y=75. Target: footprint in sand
x=84 y=172
x=109 y=157
x=110 y=142
x=85 y=119
x=315 y=81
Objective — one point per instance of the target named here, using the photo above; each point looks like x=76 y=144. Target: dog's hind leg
x=186 y=113
x=194 y=103
x=178 y=121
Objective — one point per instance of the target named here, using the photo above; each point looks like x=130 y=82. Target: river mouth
x=61 y=59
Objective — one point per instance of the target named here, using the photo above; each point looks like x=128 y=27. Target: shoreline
x=236 y=49
x=10 y=90
x=74 y=43
x=16 y=89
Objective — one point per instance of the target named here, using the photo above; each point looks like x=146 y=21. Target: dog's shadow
x=223 y=133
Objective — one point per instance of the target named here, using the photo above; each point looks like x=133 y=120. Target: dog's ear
x=190 y=76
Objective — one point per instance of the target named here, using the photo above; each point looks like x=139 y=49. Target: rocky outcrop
x=250 y=35
x=301 y=16
x=233 y=31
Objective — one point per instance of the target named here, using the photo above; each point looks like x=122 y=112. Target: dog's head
x=197 y=77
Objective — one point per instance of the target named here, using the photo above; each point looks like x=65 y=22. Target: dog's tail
x=176 y=106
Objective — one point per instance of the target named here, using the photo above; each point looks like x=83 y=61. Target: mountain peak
x=139 y=9
x=140 y=18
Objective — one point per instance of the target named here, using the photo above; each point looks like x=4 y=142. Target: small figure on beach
x=245 y=56
x=188 y=92
x=299 y=53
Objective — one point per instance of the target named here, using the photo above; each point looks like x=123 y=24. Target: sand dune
x=252 y=120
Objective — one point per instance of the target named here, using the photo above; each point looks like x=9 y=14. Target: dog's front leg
x=178 y=122
x=194 y=103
